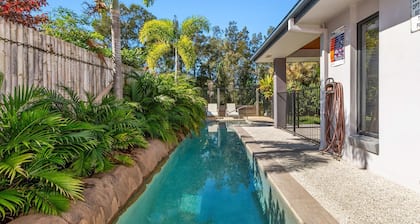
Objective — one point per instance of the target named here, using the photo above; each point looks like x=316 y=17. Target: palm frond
x=157 y=51
x=193 y=25
x=62 y=182
x=13 y=164
x=11 y=202
x=157 y=30
x=23 y=98
x=124 y=159
x=186 y=50
x=48 y=202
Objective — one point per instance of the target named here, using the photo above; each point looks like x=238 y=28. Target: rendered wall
x=399 y=66
x=399 y=79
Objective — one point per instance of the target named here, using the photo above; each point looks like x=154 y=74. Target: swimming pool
x=208 y=179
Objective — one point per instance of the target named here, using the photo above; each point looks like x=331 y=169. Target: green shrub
x=116 y=128
x=166 y=108
x=35 y=147
x=48 y=138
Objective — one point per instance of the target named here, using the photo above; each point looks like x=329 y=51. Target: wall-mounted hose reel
x=334 y=118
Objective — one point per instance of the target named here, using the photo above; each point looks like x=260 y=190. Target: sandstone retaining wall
x=106 y=194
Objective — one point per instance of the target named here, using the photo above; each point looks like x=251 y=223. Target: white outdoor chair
x=231 y=110
x=212 y=110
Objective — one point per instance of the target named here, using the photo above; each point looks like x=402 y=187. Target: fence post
x=294 y=110
x=257 y=102
x=297 y=108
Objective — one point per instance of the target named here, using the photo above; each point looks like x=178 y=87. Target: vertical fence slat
x=7 y=59
x=55 y=75
x=20 y=60
x=86 y=70
x=39 y=59
x=59 y=81
x=30 y=67
x=77 y=73
x=68 y=65
x=32 y=58
x=74 y=69
x=44 y=56
x=2 y=53
x=13 y=64
x=95 y=71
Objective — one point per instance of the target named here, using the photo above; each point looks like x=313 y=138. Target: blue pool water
x=207 y=179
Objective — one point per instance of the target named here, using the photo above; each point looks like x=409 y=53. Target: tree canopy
x=23 y=11
x=162 y=36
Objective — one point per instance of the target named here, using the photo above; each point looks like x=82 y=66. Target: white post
x=324 y=75
x=279 y=93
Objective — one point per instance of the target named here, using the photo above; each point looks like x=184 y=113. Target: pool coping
x=301 y=204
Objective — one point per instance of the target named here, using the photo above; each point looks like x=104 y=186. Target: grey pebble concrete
x=347 y=193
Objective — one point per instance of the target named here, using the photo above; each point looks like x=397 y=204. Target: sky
x=256 y=15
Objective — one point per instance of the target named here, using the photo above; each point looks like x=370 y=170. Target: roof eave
x=298 y=11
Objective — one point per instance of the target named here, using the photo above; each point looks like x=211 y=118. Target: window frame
x=360 y=85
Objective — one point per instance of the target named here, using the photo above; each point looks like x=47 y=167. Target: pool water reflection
x=208 y=179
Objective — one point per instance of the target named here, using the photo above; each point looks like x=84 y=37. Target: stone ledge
x=107 y=193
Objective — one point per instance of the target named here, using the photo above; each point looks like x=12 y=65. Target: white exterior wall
x=399 y=86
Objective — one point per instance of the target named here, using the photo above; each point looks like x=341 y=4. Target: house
x=371 y=47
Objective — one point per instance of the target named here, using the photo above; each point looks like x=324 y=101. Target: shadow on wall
x=351 y=151
x=360 y=156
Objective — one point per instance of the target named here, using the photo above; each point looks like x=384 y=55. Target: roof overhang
x=303 y=24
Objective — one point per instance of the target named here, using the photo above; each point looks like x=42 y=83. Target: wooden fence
x=29 y=57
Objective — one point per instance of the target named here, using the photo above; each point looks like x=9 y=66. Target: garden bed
x=107 y=193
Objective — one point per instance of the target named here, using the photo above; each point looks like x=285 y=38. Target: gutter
x=297 y=12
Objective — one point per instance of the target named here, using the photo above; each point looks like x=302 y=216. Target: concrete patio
x=321 y=189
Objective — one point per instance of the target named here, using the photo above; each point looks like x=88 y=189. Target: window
x=368 y=76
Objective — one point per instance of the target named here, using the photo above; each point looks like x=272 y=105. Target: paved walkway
x=349 y=194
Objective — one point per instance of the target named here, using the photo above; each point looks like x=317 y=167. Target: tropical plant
x=166 y=109
x=266 y=86
x=224 y=58
x=303 y=77
x=151 y=106
x=116 y=42
x=71 y=27
x=132 y=19
x=35 y=148
x=162 y=36
x=116 y=130
x=188 y=114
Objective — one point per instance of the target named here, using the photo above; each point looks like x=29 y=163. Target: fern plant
x=166 y=108
x=151 y=106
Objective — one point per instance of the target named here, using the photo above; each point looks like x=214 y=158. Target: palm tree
x=116 y=42
x=164 y=35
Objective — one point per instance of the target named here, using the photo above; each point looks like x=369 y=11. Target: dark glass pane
x=369 y=76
